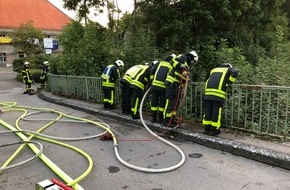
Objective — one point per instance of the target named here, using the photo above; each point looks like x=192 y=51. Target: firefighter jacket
x=44 y=71
x=142 y=78
x=110 y=75
x=130 y=74
x=216 y=84
x=163 y=68
x=179 y=70
x=26 y=76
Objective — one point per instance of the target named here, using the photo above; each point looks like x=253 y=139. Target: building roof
x=45 y=16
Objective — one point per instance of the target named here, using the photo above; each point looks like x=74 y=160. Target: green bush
x=17 y=64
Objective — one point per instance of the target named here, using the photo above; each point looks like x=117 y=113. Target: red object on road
x=106 y=136
x=60 y=184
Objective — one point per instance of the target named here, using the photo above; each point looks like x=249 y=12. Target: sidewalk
x=269 y=152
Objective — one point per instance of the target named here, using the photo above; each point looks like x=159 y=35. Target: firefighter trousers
x=172 y=101
x=126 y=95
x=109 y=96
x=158 y=104
x=137 y=96
x=213 y=113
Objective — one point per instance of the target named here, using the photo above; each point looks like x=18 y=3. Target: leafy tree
x=257 y=27
x=94 y=51
x=28 y=39
x=249 y=34
x=85 y=49
x=83 y=7
x=70 y=38
x=274 y=70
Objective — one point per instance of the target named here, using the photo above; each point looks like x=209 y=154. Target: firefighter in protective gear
x=126 y=91
x=27 y=78
x=158 y=88
x=215 y=95
x=43 y=75
x=174 y=81
x=109 y=77
x=139 y=84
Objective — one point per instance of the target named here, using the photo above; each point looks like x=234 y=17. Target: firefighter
x=215 y=94
x=126 y=91
x=158 y=88
x=43 y=75
x=140 y=83
x=109 y=77
x=174 y=81
x=27 y=78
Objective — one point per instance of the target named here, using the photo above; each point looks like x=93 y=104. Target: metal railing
x=255 y=108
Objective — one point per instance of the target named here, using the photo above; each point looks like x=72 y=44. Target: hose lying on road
x=152 y=170
x=21 y=142
x=12 y=106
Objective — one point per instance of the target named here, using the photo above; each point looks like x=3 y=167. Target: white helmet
x=26 y=63
x=170 y=57
x=119 y=63
x=46 y=63
x=194 y=55
x=226 y=65
x=173 y=55
x=154 y=62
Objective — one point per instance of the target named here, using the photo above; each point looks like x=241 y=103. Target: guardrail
x=260 y=109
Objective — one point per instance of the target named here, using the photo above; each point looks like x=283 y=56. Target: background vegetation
x=253 y=35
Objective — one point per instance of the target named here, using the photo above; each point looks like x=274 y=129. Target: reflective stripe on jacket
x=142 y=78
x=26 y=74
x=131 y=73
x=110 y=75
x=217 y=83
x=161 y=74
x=175 y=74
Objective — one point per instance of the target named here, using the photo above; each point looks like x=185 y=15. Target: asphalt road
x=204 y=168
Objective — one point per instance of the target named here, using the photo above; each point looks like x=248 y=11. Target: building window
x=2 y=57
x=20 y=54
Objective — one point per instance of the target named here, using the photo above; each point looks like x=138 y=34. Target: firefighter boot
x=160 y=117
x=30 y=92
x=135 y=116
x=167 y=122
x=112 y=106
x=106 y=105
x=214 y=131
x=154 y=116
x=207 y=129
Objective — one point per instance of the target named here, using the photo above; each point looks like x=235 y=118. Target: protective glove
x=185 y=73
x=29 y=81
x=235 y=72
x=184 y=66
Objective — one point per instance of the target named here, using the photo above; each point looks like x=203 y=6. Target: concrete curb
x=256 y=153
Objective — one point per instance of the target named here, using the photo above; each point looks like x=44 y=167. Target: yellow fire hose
x=11 y=106
x=55 y=168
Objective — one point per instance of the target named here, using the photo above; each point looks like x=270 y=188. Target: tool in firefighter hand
x=181 y=93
